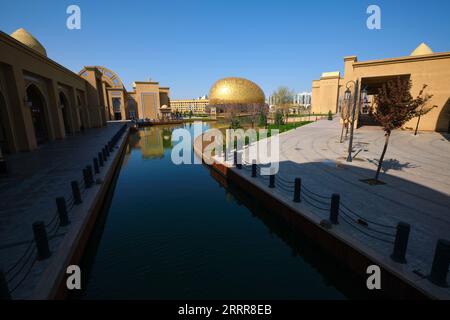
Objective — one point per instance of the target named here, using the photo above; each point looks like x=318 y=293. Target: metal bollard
x=238 y=160
x=401 y=242
x=297 y=190
x=96 y=168
x=62 y=211
x=441 y=263
x=100 y=159
x=104 y=154
x=4 y=290
x=40 y=237
x=254 y=168
x=334 y=208
x=76 y=192
x=87 y=180
x=272 y=181
x=90 y=174
x=107 y=150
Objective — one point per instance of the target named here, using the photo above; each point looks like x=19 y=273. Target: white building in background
x=300 y=99
x=303 y=99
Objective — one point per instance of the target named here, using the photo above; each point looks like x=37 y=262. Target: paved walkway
x=36 y=179
x=417 y=189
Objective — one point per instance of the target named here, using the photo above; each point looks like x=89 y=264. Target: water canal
x=183 y=232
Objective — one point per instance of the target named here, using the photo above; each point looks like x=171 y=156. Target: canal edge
x=395 y=282
x=52 y=283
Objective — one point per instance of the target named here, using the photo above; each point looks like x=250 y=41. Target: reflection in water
x=185 y=232
x=152 y=141
x=333 y=273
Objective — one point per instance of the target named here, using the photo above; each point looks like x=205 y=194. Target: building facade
x=421 y=67
x=41 y=100
x=197 y=106
x=303 y=99
x=144 y=102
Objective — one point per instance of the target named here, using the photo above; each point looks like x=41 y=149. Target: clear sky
x=187 y=45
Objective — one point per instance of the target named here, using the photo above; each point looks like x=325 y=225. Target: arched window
x=36 y=102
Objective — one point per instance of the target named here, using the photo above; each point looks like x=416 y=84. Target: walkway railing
x=39 y=248
x=337 y=211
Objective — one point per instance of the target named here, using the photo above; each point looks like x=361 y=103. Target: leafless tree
x=394 y=106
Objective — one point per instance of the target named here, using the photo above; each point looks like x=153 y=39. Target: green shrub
x=279 y=118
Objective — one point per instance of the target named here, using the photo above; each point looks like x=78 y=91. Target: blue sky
x=187 y=45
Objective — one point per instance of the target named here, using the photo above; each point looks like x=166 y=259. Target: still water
x=183 y=232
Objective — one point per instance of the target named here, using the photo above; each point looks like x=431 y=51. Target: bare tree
x=394 y=107
x=423 y=109
x=284 y=100
x=345 y=116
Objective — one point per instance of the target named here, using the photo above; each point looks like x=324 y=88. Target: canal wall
x=52 y=284
x=395 y=283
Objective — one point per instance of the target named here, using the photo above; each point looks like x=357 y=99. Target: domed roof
x=422 y=49
x=27 y=39
x=164 y=108
x=235 y=91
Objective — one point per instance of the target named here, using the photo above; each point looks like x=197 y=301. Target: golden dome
x=235 y=91
x=27 y=39
x=422 y=49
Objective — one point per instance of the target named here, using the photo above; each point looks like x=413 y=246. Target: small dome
x=27 y=39
x=422 y=49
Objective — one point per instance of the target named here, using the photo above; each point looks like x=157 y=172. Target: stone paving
x=417 y=189
x=28 y=193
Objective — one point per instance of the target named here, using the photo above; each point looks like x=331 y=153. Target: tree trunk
x=380 y=162
x=342 y=132
x=417 y=126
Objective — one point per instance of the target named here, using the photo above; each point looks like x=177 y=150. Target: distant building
x=421 y=67
x=303 y=99
x=197 y=106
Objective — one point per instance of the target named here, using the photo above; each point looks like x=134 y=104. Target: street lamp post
x=348 y=95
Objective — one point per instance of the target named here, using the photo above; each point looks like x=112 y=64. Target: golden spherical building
x=232 y=91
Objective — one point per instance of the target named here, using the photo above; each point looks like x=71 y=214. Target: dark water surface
x=180 y=232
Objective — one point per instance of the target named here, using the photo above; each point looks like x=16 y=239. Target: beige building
x=144 y=102
x=41 y=100
x=197 y=106
x=422 y=67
